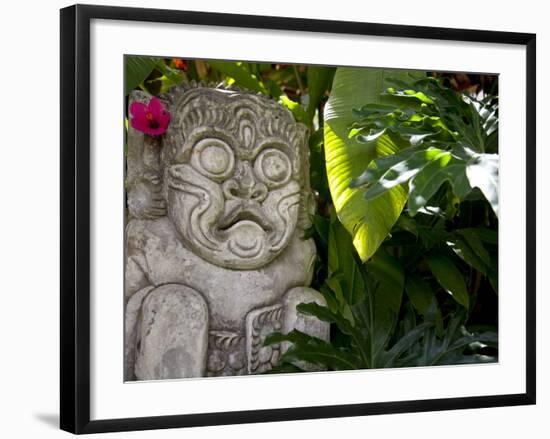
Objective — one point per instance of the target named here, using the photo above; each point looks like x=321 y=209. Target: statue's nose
x=244 y=185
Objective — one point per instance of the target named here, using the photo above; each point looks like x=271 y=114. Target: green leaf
x=170 y=77
x=463 y=250
x=346 y=326
x=387 y=296
x=489 y=338
x=138 y=68
x=342 y=261
x=368 y=221
x=317 y=169
x=420 y=294
x=423 y=299
x=487 y=235
x=322 y=227
x=449 y=348
x=426 y=183
x=330 y=297
x=342 y=303
x=389 y=273
x=242 y=76
x=449 y=277
x=473 y=239
x=314 y=350
x=322 y=354
x=294 y=336
x=240 y=73
x=326 y=315
x=406 y=342
x=295 y=108
x=412 y=94
x=408 y=224
x=436 y=116
x=402 y=171
x=482 y=172
x=319 y=79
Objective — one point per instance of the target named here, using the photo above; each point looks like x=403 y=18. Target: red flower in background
x=151 y=118
x=180 y=64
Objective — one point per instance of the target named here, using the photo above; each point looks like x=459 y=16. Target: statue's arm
x=284 y=317
x=310 y=325
x=293 y=319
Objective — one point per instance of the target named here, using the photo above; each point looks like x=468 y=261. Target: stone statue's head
x=236 y=175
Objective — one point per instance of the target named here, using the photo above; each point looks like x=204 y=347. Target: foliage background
x=405 y=168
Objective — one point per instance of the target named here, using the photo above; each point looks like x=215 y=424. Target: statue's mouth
x=244 y=213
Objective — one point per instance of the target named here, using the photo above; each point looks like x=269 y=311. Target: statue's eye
x=213 y=157
x=273 y=166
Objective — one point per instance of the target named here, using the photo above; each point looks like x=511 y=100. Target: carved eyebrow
x=206 y=132
x=275 y=143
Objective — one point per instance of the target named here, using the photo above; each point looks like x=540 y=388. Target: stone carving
x=215 y=254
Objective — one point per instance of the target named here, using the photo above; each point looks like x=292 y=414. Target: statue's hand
x=145 y=200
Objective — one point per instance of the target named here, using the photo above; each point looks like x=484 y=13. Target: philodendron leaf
x=326 y=315
x=138 y=68
x=482 y=172
x=414 y=94
x=426 y=183
x=368 y=221
x=313 y=350
x=322 y=354
x=463 y=169
x=461 y=126
x=410 y=164
x=449 y=277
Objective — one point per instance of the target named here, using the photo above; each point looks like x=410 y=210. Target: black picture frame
x=75 y=217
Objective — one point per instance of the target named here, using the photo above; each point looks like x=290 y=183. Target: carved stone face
x=235 y=174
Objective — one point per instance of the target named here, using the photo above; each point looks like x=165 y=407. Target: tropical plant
x=450 y=137
x=386 y=314
x=432 y=149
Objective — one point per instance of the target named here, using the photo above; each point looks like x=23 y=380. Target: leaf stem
x=299 y=80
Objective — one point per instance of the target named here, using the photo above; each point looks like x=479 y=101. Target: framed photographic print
x=268 y=218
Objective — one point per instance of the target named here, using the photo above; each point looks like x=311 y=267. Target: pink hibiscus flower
x=151 y=119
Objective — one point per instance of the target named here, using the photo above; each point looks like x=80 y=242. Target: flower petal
x=140 y=124
x=155 y=107
x=138 y=109
x=138 y=120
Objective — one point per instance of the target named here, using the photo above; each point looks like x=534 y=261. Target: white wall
x=29 y=248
